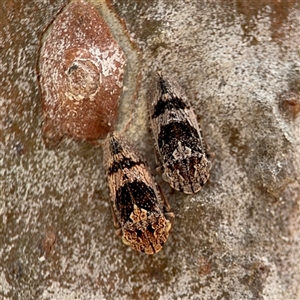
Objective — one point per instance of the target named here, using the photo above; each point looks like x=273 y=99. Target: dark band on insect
x=125 y=163
x=173 y=132
x=144 y=197
x=167 y=105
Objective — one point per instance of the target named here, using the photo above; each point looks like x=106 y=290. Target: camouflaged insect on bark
x=177 y=136
x=138 y=209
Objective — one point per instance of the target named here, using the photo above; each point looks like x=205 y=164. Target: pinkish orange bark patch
x=290 y=103
x=81 y=76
